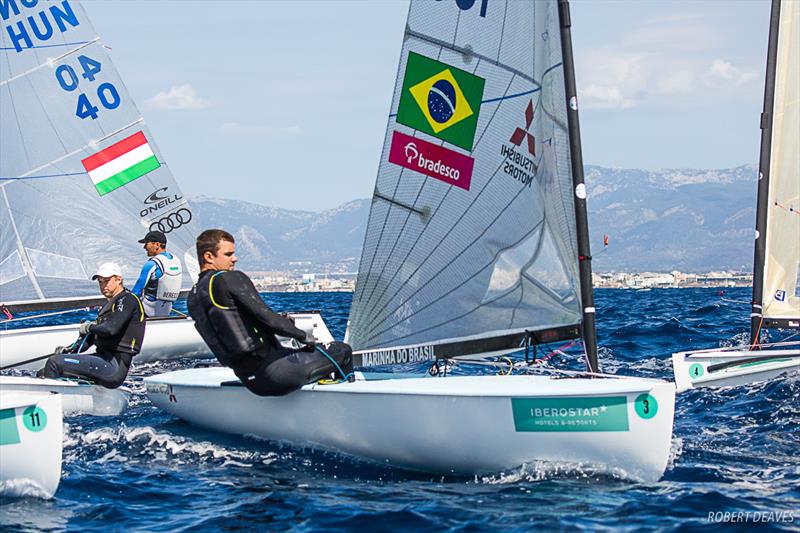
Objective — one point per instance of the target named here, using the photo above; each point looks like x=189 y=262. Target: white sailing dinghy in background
x=476 y=244
x=31 y=433
x=81 y=180
x=776 y=265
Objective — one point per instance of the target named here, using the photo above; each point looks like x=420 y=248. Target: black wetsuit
x=240 y=329
x=118 y=336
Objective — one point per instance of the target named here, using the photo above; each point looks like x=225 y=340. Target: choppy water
x=735 y=450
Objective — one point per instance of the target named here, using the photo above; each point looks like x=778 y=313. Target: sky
x=286 y=103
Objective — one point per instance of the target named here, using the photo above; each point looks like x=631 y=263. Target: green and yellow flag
x=440 y=100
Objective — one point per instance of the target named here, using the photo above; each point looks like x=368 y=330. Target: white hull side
x=453 y=425
x=164 y=340
x=691 y=369
x=30 y=443
x=76 y=398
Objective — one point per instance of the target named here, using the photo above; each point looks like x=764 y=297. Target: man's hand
x=309 y=340
x=287 y=315
x=83 y=330
x=61 y=349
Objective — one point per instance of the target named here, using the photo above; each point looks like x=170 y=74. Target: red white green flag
x=121 y=163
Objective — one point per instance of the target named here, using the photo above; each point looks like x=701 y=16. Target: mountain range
x=677 y=219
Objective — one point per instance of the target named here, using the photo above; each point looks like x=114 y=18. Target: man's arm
x=126 y=309
x=148 y=269
x=246 y=296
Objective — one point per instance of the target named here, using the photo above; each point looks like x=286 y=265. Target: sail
x=471 y=232
x=781 y=285
x=81 y=178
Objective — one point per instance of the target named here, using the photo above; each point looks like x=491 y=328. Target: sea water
x=734 y=454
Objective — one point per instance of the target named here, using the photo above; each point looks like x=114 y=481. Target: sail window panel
x=11 y=268
x=56 y=266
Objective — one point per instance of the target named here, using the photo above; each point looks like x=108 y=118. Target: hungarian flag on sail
x=121 y=163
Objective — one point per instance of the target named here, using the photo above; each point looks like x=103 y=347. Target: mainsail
x=471 y=241
x=81 y=178
x=777 y=258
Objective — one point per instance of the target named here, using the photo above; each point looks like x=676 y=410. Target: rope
x=184 y=315
x=11 y=319
x=341 y=372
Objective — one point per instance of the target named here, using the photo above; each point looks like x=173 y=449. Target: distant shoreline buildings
x=292 y=281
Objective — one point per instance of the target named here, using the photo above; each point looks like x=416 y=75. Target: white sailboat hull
x=698 y=368
x=164 y=340
x=454 y=425
x=76 y=398
x=30 y=443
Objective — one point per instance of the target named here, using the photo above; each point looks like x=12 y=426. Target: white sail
x=471 y=234
x=63 y=208
x=781 y=287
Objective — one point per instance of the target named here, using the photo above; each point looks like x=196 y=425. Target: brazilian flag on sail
x=440 y=100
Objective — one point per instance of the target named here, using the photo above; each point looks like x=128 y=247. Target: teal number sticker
x=646 y=406
x=696 y=371
x=34 y=418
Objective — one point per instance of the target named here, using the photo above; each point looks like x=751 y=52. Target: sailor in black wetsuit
x=240 y=329
x=117 y=333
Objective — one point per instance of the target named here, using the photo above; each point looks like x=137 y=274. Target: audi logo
x=172 y=221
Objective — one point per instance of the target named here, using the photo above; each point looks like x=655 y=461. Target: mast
x=759 y=254
x=579 y=189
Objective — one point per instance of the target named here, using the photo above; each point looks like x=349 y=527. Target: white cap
x=106 y=270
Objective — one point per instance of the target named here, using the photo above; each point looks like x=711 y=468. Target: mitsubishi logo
x=520 y=134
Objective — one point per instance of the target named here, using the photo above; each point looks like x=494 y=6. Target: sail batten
x=477 y=238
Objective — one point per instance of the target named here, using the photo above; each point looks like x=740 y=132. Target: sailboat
x=31 y=433
x=776 y=264
x=477 y=245
x=81 y=180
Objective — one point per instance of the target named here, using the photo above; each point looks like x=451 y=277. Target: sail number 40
x=107 y=93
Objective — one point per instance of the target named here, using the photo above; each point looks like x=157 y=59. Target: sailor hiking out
x=159 y=282
x=241 y=330
x=117 y=334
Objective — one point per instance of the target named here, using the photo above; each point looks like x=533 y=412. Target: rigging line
x=433 y=214
x=49 y=62
x=471 y=53
x=9 y=48
x=444 y=237
x=78 y=150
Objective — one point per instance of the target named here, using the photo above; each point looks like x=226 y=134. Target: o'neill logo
x=159 y=200
x=398 y=356
x=431 y=160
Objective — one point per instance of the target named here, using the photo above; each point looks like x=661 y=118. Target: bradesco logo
x=440 y=100
x=431 y=160
x=608 y=413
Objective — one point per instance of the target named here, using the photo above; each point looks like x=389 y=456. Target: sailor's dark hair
x=209 y=240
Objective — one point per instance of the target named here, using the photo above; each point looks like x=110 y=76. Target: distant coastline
x=345 y=282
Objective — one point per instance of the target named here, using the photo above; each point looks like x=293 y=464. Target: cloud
x=723 y=74
x=179 y=97
x=604 y=97
x=237 y=129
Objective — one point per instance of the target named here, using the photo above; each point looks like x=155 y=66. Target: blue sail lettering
x=466 y=5
x=5 y=5
x=66 y=15
x=48 y=32
x=20 y=33
x=21 y=36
